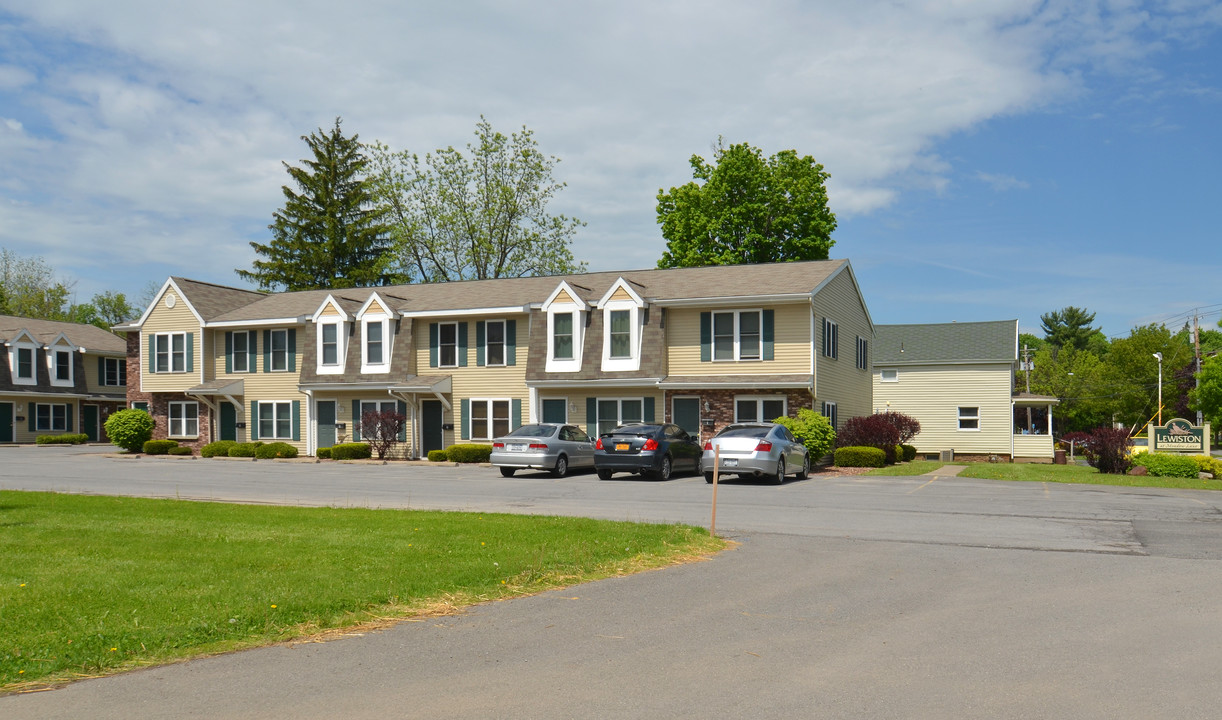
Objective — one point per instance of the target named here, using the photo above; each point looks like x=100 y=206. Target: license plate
x=517 y=448
x=621 y=446
x=729 y=463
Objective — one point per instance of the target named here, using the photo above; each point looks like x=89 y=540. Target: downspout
x=1011 y=430
x=311 y=436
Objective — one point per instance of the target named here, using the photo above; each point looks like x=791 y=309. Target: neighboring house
x=957 y=380
x=58 y=378
x=467 y=361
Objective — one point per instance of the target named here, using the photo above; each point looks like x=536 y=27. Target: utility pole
x=1196 y=344
x=1027 y=373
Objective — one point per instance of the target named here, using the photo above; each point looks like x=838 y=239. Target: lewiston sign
x=1179 y=435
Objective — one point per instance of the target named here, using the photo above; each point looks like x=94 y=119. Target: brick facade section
x=721 y=405
x=159 y=403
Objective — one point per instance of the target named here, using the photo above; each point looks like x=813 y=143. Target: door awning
x=227 y=389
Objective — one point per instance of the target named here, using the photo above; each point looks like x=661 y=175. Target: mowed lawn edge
x=1040 y=472
x=92 y=585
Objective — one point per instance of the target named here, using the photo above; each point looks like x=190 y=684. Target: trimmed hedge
x=323 y=453
x=1167 y=464
x=351 y=451
x=469 y=453
x=860 y=456
x=71 y=439
x=438 y=456
x=180 y=450
x=909 y=452
x=275 y=450
x=220 y=448
x=129 y=429
x=159 y=447
x=243 y=449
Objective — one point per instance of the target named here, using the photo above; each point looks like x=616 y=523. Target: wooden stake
x=716 y=472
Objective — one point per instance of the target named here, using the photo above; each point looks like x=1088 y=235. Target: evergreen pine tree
x=329 y=232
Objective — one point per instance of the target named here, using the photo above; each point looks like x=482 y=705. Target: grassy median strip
x=1042 y=472
x=93 y=584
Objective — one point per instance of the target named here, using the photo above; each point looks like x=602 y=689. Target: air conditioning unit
x=946 y=455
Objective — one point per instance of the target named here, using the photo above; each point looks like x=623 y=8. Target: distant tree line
x=29 y=288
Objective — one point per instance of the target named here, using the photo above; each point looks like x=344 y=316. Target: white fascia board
x=390 y=311
x=265 y=322
x=65 y=341
x=508 y=310
x=169 y=283
x=714 y=384
x=848 y=266
x=568 y=290
x=917 y=363
x=628 y=382
x=620 y=283
x=357 y=386
x=735 y=301
x=332 y=302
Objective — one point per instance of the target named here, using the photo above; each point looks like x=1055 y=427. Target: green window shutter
x=356 y=420
x=190 y=341
x=511 y=342
x=33 y=414
x=292 y=351
x=252 y=352
x=152 y=353
x=648 y=410
x=101 y=370
x=706 y=337
x=515 y=413
x=465 y=420
x=401 y=408
x=254 y=420
x=432 y=344
x=296 y=418
x=768 y=324
x=479 y=343
x=267 y=351
x=228 y=352
x=592 y=417
x=462 y=344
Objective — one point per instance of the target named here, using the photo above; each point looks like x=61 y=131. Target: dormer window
x=330 y=337
x=566 y=321
x=61 y=366
x=373 y=342
x=623 y=312
x=376 y=336
x=21 y=360
x=562 y=336
x=620 y=334
x=330 y=343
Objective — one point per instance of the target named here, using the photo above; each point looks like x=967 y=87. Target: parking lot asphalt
x=855 y=597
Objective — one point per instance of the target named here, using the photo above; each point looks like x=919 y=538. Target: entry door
x=686 y=414
x=554 y=410
x=229 y=422
x=6 y=422
x=431 y=437
x=89 y=422
x=326 y=423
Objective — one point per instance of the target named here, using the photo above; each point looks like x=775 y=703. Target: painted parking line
x=925 y=485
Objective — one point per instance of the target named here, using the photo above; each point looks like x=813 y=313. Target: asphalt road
x=847 y=597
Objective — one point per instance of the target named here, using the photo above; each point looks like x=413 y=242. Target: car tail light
x=538 y=446
x=497 y=445
x=764 y=446
x=650 y=444
x=708 y=444
x=598 y=445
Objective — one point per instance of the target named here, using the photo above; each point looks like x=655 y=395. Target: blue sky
x=989 y=160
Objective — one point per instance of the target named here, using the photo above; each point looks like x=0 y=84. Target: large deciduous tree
x=28 y=288
x=746 y=208
x=479 y=215
x=1207 y=397
x=329 y=233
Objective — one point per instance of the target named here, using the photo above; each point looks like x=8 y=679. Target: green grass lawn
x=1034 y=472
x=91 y=584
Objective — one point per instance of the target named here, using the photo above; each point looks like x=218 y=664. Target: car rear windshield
x=636 y=430
x=534 y=431
x=755 y=432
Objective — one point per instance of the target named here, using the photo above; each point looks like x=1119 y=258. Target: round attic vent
x=170 y=300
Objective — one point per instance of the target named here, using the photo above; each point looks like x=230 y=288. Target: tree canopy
x=28 y=288
x=329 y=233
x=1069 y=327
x=745 y=208
x=483 y=214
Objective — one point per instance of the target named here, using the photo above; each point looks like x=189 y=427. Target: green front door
x=431 y=435
x=326 y=423
x=229 y=422
x=6 y=422
x=686 y=414
x=554 y=410
x=89 y=422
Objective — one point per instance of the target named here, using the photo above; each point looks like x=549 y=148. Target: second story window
x=831 y=339
x=621 y=334
x=736 y=335
x=63 y=365
x=280 y=350
x=330 y=344
x=562 y=336
x=373 y=343
x=494 y=342
x=114 y=372
x=241 y=352
x=447 y=344
x=25 y=363
x=863 y=353
x=170 y=353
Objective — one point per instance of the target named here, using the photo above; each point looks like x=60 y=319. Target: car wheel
x=700 y=464
x=805 y=471
x=663 y=473
x=604 y=474
x=780 y=471
x=507 y=472
x=562 y=467
x=708 y=478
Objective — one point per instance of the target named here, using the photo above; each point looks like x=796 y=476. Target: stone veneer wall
x=159 y=402
x=721 y=405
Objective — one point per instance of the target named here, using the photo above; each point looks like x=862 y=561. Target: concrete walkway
x=947 y=471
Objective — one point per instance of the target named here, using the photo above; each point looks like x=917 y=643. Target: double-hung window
x=114 y=371
x=489 y=419
x=184 y=419
x=447 y=344
x=280 y=350
x=831 y=339
x=275 y=421
x=63 y=366
x=494 y=342
x=330 y=344
x=25 y=364
x=562 y=336
x=969 y=418
x=758 y=409
x=863 y=356
x=50 y=417
x=170 y=352
x=621 y=334
x=613 y=412
x=374 y=354
x=241 y=352
x=829 y=412
x=736 y=335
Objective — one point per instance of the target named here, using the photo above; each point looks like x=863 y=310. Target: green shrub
x=323 y=453
x=351 y=451
x=860 y=456
x=1209 y=464
x=909 y=452
x=469 y=453
x=275 y=450
x=130 y=429
x=243 y=449
x=70 y=439
x=812 y=430
x=220 y=448
x=159 y=447
x=1167 y=464
x=180 y=450
x=438 y=456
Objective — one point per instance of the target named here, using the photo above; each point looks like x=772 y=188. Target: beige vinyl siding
x=343 y=414
x=216 y=354
x=839 y=380
x=1033 y=446
x=21 y=428
x=330 y=310
x=564 y=297
x=621 y=294
x=375 y=307
x=791 y=343
x=175 y=319
x=934 y=393
x=93 y=379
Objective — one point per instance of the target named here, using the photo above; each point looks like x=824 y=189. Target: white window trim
x=961 y=417
x=441 y=363
x=52 y=365
x=574 y=364
x=619 y=410
x=633 y=361
x=170 y=419
x=504 y=344
x=759 y=406
x=245 y=354
x=272 y=353
x=13 y=364
x=275 y=405
x=895 y=375
x=51 y=417
x=387 y=343
x=341 y=346
x=832 y=417
x=169 y=353
x=737 y=335
x=490 y=404
x=831 y=348
x=120 y=372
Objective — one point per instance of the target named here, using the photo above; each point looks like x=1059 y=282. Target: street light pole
x=1159 y=357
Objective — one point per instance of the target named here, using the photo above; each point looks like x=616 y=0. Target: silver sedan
x=756 y=450
x=543 y=446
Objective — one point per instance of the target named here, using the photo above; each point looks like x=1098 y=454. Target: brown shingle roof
x=211 y=301
x=87 y=336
